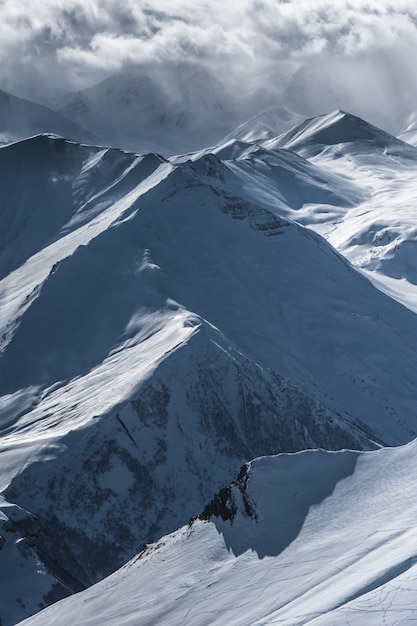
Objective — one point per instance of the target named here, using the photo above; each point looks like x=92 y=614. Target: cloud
x=320 y=54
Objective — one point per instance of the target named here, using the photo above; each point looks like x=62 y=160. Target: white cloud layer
x=357 y=54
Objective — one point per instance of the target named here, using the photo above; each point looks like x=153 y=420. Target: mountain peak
x=265 y=125
x=332 y=129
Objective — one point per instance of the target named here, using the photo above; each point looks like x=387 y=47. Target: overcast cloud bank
x=356 y=54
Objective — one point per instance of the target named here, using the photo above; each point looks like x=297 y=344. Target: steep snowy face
x=51 y=187
x=242 y=241
x=20 y=119
x=311 y=538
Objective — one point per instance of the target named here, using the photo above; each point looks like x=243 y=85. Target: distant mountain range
x=169 y=113
x=135 y=112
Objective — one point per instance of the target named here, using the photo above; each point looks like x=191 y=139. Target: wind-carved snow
x=311 y=538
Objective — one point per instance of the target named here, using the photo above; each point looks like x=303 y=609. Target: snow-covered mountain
x=163 y=322
x=21 y=118
x=136 y=112
x=372 y=221
x=265 y=125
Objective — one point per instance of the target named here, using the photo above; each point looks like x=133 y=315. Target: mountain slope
x=358 y=190
x=311 y=538
x=265 y=125
x=21 y=118
x=338 y=127
x=142 y=470
x=240 y=242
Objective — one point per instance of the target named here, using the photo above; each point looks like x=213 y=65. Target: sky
x=318 y=55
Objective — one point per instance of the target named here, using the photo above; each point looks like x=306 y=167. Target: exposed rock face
x=224 y=503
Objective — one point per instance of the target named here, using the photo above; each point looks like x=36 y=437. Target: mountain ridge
x=336 y=127
x=155 y=114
